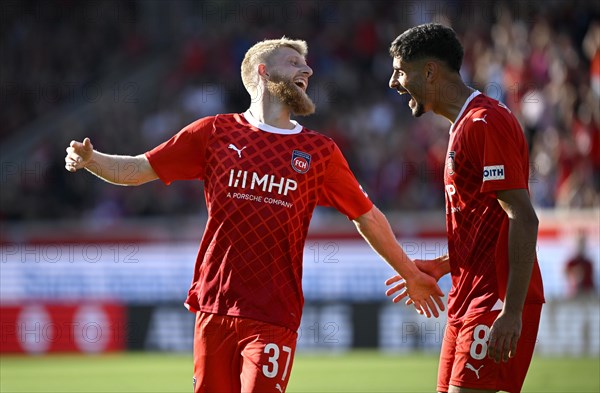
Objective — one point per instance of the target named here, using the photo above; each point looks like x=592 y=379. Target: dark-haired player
x=496 y=298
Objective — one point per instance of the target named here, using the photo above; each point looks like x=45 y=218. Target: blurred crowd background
x=130 y=74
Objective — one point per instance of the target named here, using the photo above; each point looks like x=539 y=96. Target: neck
x=272 y=112
x=451 y=108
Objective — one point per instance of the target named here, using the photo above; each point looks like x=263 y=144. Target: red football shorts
x=464 y=361
x=233 y=354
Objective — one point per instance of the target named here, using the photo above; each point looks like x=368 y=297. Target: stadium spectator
x=264 y=175
x=496 y=298
x=579 y=272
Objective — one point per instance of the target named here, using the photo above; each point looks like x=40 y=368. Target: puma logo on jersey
x=475 y=370
x=480 y=119
x=238 y=151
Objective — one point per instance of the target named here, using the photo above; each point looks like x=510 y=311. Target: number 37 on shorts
x=271 y=369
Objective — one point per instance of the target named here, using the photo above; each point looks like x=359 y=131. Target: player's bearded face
x=415 y=103
x=407 y=79
x=416 y=107
x=286 y=91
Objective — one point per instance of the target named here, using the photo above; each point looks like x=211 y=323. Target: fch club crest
x=300 y=161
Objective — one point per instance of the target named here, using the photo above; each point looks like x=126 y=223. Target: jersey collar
x=465 y=105
x=267 y=128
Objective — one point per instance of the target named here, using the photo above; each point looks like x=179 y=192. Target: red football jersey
x=487 y=152
x=261 y=186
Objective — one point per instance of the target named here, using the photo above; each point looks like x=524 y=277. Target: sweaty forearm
x=121 y=170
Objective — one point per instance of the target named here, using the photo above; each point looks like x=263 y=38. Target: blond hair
x=261 y=52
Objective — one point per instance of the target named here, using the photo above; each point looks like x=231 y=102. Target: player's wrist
x=442 y=266
x=91 y=159
x=512 y=309
x=410 y=272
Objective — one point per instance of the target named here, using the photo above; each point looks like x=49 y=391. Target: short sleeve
x=341 y=189
x=183 y=156
x=504 y=154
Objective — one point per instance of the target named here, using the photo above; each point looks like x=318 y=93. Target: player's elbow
x=136 y=182
x=530 y=217
x=527 y=219
x=143 y=173
x=142 y=179
x=535 y=221
x=367 y=220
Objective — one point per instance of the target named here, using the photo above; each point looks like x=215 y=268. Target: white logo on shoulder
x=234 y=147
x=501 y=105
x=475 y=119
x=494 y=172
x=475 y=370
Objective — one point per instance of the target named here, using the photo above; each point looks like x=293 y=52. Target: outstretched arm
x=421 y=288
x=120 y=170
x=522 y=237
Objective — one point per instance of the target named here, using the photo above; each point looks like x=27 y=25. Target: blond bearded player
x=264 y=174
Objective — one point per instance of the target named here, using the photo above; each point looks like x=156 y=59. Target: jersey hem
x=365 y=212
x=502 y=187
x=162 y=178
x=241 y=315
x=481 y=310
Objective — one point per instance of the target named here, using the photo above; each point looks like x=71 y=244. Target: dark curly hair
x=429 y=40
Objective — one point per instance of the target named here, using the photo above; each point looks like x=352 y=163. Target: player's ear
x=431 y=70
x=262 y=71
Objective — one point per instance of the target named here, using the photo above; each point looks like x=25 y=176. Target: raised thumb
x=87 y=144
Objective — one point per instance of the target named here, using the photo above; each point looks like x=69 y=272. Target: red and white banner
x=40 y=328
